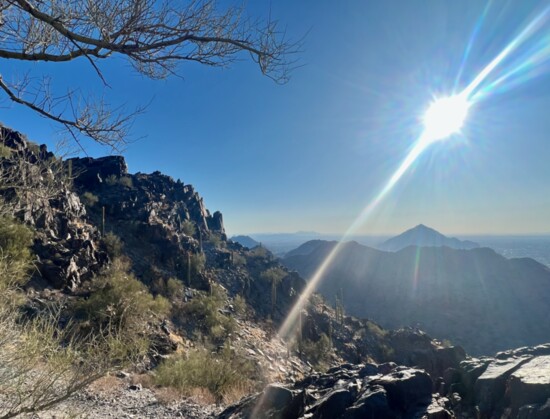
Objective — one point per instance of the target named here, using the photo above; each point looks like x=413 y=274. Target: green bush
x=171 y=288
x=198 y=262
x=113 y=180
x=126 y=181
x=206 y=309
x=112 y=244
x=220 y=373
x=89 y=199
x=239 y=303
x=5 y=151
x=216 y=240
x=188 y=227
x=120 y=304
x=317 y=352
x=15 y=253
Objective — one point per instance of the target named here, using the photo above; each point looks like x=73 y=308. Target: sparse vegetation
x=216 y=240
x=113 y=180
x=126 y=181
x=120 y=304
x=5 y=152
x=197 y=262
x=188 y=227
x=41 y=364
x=112 y=244
x=207 y=311
x=239 y=303
x=223 y=374
x=317 y=352
x=15 y=253
x=89 y=199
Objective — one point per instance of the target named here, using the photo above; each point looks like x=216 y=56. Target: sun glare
x=445 y=117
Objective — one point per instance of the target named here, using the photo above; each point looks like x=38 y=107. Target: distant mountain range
x=476 y=297
x=245 y=241
x=424 y=236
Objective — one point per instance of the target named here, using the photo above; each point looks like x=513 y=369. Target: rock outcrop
x=162 y=222
x=37 y=189
x=348 y=391
x=513 y=384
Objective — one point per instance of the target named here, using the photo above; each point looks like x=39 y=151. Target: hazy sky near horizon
x=311 y=154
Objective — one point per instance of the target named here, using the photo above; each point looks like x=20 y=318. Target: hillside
x=475 y=298
x=424 y=236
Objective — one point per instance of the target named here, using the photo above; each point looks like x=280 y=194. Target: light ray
x=288 y=325
x=529 y=30
x=473 y=92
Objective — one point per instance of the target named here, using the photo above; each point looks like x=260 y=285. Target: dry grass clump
x=225 y=374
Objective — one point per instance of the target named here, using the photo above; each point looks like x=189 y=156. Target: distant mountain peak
x=424 y=236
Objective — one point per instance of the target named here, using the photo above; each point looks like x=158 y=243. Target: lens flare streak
x=474 y=92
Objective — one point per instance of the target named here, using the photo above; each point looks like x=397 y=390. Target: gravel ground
x=114 y=397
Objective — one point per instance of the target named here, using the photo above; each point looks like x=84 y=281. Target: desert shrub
x=376 y=330
x=317 y=352
x=42 y=364
x=5 y=151
x=111 y=180
x=198 y=262
x=120 y=304
x=220 y=373
x=112 y=244
x=206 y=311
x=126 y=181
x=188 y=227
x=238 y=259
x=89 y=199
x=239 y=303
x=215 y=240
x=15 y=253
x=171 y=288
x=259 y=252
x=174 y=288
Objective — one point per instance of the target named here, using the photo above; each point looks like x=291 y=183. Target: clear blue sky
x=309 y=155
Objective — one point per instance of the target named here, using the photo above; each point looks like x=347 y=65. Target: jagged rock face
x=149 y=212
x=348 y=391
x=35 y=186
x=514 y=384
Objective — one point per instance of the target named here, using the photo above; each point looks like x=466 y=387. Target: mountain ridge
x=440 y=289
x=424 y=236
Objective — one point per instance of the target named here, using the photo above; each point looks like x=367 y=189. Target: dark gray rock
x=373 y=403
x=332 y=405
x=342 y=393
x=530 y=383
x=406 y=388
x=490 y=386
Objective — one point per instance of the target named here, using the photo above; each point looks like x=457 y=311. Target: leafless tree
x=154 y=35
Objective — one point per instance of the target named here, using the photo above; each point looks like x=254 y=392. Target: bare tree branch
x=154 y=35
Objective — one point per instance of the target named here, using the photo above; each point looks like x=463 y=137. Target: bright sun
x=445 y=117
